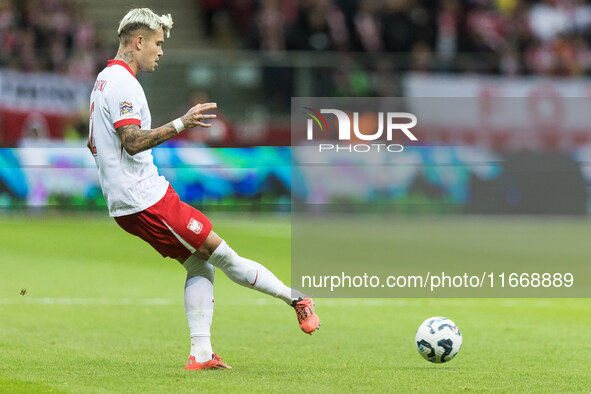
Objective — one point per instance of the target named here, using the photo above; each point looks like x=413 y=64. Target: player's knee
x=203 y=253
x=223 y=257
x=211 y=243
x=196 y=267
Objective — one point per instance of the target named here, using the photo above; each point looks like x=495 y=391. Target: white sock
x=249 y=273
x=199 y=306
x=201 y=349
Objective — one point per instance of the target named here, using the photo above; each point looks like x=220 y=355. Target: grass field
x=104 y=313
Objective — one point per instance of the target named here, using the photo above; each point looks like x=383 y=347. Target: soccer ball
x=438 y=339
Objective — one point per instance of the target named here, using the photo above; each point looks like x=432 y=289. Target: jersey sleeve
x=124 y=107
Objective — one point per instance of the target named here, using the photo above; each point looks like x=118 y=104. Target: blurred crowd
x=548 y=37
x=48 y=35
x=509 y=37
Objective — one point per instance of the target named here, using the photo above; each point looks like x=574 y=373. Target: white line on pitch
x=322 y=302
x=88 y=301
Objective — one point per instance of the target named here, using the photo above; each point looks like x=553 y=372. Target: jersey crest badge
x=125 y=107
x=195 y=226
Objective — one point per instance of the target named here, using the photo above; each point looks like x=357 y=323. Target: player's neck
x=126 y=56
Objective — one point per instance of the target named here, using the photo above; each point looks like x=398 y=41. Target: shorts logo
x=125 y=107
x=195 y=226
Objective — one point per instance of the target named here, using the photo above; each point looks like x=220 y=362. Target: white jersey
x=130 y=183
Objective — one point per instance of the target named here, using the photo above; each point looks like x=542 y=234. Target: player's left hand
x=195 y=116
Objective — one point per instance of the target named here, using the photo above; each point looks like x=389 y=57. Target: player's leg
x=199 y=311
x=243 y=271
x=251 y=274
x=199 y=305
x=193 y=230
x=150 y=226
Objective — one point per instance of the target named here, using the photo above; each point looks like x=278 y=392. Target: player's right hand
x=195 y=116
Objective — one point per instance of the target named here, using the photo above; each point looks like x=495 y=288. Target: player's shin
x=249 y=273
x=199 y=306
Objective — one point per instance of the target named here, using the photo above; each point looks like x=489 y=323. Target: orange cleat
x=214 y=363
x=309 y=321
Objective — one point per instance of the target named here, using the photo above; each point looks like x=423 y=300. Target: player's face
x=151 y=51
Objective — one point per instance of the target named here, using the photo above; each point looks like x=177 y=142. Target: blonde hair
x=144 y=18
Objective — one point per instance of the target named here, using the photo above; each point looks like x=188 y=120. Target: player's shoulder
x=119 y=74
x=118 y=78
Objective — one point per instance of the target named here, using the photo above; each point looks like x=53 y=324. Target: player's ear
x=139 y=42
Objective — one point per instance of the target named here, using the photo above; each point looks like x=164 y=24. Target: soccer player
x=144 y=204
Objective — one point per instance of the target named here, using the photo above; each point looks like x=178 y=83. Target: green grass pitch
x=103 y=312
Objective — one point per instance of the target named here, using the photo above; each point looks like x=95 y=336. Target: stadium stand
x=509 y=37
x=48 y=35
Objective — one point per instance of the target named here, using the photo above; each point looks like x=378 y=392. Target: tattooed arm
x=135 y=140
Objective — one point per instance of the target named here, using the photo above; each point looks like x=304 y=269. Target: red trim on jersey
x=120 y=63
x=125 y=122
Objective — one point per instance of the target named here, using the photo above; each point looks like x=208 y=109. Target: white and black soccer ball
x=438 y=339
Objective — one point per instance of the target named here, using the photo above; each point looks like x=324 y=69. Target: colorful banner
x=39 y=105
x=418 y=180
